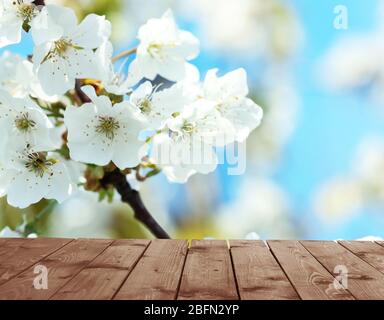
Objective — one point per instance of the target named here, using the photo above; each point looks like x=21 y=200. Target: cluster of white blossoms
x=66 y=104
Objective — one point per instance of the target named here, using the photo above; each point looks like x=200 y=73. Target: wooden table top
x=205 y=270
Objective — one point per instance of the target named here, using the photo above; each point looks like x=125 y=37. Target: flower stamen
x=145 y=105
x=26 y=11
x=24 y=123
x=38 y=163
x=188 y=127
x=107 y=126
x=61 y=46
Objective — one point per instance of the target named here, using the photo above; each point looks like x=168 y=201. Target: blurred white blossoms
x=50 y=124
x=355 y=62
x=343 y=197
x=7 y=232
x=262 y=207
x=32 y=174
x=163 y=50
x=13 y=15
x=246 y=27
x=99 y=132
x=64 y=50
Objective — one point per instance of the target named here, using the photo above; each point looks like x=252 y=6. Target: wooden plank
x=259 y=276
x=364 y=281
x=310 y=279
x=208 y=273
x=20 y=254
x=62 y=266
x=101 y=279
x=2 y=242
x=157 y=274
x=9 y=247
x=368 y=251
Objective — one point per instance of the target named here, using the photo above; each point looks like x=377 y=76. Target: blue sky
x=329 y=126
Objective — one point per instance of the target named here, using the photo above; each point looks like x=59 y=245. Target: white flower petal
x=127 y=153
x=52 y=23
x=97 y=150
x=82 y=64
x=54 y=77
x=26 y=189
x=92 y=32
x=10 y=33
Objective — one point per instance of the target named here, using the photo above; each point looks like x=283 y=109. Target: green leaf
x=102 y=195
x=152 y=173
x=26 y=26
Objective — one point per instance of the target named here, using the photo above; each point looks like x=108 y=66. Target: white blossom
x=229 y=93
x=186 y=146
x=163 y=50
x=157 y=105
x=30 y=174
x=4 y=181
x=13 y=15
x=99 y=132
x=22 y=118
x=64 y=49
x=115 y=82
x=17 y=77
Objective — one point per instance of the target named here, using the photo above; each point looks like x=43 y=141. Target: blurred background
x=315 y=168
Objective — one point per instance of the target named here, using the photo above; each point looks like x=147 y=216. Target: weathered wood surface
x=206 y=270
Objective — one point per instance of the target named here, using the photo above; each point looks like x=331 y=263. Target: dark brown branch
x=130 y=196
x=39 y=2
x=80 y=93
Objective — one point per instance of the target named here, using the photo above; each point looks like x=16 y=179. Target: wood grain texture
x=310 y=279
x=381 y=243
x=208 y=273
x=259 y=276
x=19 y=254
x=103 y=277
x=167 y=269
x=368 y=251
x=62 y=266
x=364 y=281
x=157 y=275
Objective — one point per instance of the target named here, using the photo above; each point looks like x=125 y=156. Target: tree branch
x=39 y=2
x=124 y=54
x=130 y=196
x=80 y=93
